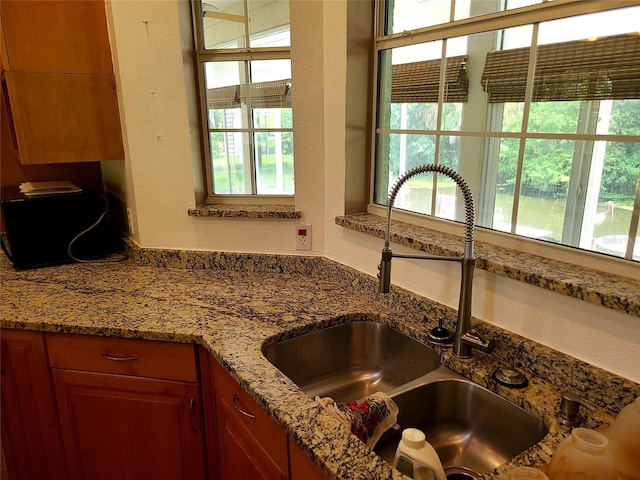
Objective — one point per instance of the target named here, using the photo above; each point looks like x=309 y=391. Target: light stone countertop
x=234 y=304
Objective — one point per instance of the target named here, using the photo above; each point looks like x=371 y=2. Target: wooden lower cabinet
x=30 y=432
x=129 y=428
x=300 y=465
x=251 y=445
x=78 y=407
x=128 y=409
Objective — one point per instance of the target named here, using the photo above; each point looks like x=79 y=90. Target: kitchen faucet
x=465 y=337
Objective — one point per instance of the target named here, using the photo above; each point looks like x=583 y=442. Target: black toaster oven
x=56 y=228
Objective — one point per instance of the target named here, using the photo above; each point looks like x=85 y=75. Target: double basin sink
x=472 y=429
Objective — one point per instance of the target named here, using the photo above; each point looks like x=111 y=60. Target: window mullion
x=633 y=228
x=581 y=168
x=247 y=111
x=525 y=123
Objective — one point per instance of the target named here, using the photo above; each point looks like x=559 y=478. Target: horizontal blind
x=607 y=68
x=273 y=94
x=223 y=97
x=419 y=82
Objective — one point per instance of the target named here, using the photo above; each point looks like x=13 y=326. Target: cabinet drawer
x=246 y=411
x=142 y=358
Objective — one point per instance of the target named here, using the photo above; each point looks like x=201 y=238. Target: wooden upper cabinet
x=58 y=83
x=62 y=36
x=64 y=118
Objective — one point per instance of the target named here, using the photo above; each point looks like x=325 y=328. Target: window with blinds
x=274 y=94
x=243 y=51
x=537 y=108
x=419 y=82
x=602 y=69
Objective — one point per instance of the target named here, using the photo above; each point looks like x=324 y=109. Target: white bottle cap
x=413 y=438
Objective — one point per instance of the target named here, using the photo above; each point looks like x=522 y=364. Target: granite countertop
x=234 y=304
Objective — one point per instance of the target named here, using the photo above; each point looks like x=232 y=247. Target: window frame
x=533 y=14
x=203 y=56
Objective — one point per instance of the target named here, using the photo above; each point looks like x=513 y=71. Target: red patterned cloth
x=368 y=418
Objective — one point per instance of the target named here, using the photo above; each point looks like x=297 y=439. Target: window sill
x=246 y=211
x=601 y=288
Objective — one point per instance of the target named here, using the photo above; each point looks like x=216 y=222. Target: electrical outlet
x=130 y=220
x=303 y=237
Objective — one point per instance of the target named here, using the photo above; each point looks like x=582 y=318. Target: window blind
x=273 y=94
x=606 y=68
x=419 y=82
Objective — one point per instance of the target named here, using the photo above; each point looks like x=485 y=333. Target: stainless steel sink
x=472 y=429
x=352 y=360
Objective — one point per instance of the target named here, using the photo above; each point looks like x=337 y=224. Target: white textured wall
x=161 y=145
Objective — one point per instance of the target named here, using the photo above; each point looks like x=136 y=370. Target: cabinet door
x=63 y=118
x=251 y=445
x=30 y=431
x=56 y=36
x=129 y=428
x=209 y=412
x=241 y=456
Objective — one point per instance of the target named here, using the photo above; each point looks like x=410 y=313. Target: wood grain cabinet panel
x=129 y=409
x=58 y=82
x=251 y=445
x=300 y=465
x=64 y=118
x=56 y=36
x=126 y=356
x=129 y=428
x=30 y=431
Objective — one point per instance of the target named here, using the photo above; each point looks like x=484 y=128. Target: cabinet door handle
x=192 y=403
x=119 y=359
x=235 y=404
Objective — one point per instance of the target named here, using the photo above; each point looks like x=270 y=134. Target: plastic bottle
x=584 y=455
x=527 y=473
x=624 y=441
x=416 y=457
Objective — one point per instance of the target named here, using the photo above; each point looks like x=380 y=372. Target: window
x=245 y=81
x=534 y=103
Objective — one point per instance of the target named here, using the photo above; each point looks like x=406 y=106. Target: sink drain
x=462 y=473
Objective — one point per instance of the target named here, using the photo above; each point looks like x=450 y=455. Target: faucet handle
x=569 y=413
x=474 y=340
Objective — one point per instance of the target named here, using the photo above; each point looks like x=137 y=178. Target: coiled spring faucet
x=465 y=337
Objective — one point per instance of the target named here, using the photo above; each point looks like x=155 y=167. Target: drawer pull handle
x=119 y=359
x=191 y=405
x=235 y=404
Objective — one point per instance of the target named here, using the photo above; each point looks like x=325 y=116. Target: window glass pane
x=590 y=26
x=274 y=163
x=543 y=191
x=412 y=14
x=515 y=37
x=269 y=23
x=231 y=171
x=558 y=117
x=509 y=115
x=408 y=15
x=498 y=213
x=618 y=185
x=223 y=23
x=400 y=153
x=269 y=70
